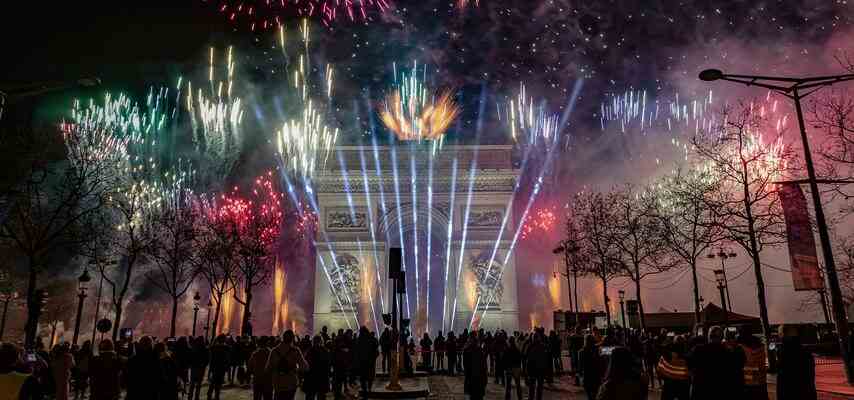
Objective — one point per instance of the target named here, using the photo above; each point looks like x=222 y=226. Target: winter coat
x=317 y=378
x=142 y=370
x=60 y=368
x=476 y=371
x=634 y=388
x=284 y=365
x=257 y=367
x=366 y=356
x=796 y=372
x=104 y=370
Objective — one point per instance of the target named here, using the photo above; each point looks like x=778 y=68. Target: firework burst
x=413 y=112
x=260 y=15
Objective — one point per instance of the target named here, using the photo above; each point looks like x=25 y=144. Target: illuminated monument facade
x=444 y=214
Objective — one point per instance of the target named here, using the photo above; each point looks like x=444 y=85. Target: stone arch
x=391 y=224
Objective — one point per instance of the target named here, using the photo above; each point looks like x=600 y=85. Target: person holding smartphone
x=14 y=383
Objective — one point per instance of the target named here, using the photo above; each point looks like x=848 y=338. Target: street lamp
x=720 y=278
x=568 y=247
x=622 y=294
x=724 y=254
x=82 y=282
x=100 y=264
x=196 y=299
x=792 y=88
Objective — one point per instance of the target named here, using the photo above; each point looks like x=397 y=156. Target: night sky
x=482 y=52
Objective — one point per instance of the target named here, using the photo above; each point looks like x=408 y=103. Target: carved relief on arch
x=346 y=282
x=489 y=288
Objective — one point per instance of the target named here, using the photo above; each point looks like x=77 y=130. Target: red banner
x=805 y=272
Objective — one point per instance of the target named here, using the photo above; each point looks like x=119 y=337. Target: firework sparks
x=266 y=14
x=413 y=112
x=544 y=220
x=304 y=144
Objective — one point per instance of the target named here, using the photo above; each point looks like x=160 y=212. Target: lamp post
x=7 y=298
x=568 y=247
x=720 y=278
x=196 y=299
x=82 y=282
x=724 y=254
x=622 y=294
x=98 y=264
x=796 y=89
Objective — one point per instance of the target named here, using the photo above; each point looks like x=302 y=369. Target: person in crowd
x=342 y=359
x=499 y=349
x=451 y=348
x=199 y=358
x=181 y=353
x=167 y=382
x=14 y=383
x=285 y=364
x=476 y=369
x=673 y=370
x=316 y=383
x=555 y=349
x=82 y=359
x=262 y=381
x=219 y=366
x=366 y=359
x=141 y=370
x=755 y=371
x=104 y=370
x=439 y=347
x=712 y=367
x=512 y=365
x=795 y=368
x=539 y=364
x=624 y=379
x=61 y=364
x=385 y=348
x=650 y=357
x=576 y=343
x=426 y=352
x=591 y=367
x=324 y=333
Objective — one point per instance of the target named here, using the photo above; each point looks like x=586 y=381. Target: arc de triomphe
x=447 y=216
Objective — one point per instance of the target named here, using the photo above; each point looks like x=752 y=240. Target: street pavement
x=451 y=388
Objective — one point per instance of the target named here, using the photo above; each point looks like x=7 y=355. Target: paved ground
x=451 y=388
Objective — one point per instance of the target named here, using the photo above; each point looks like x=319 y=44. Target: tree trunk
x=697 y=304
x=245 y=328
x=605 y=294
x=640 y=305
x=118 y=322
x=757 y=264
x=174 y=316
x=215 y=322
x=33 y=309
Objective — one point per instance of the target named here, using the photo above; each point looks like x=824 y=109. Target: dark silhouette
x=316 y=383
x=796 y=368
x=591 y=367
x=285 y=364
x=624 y=379
x=366 y=358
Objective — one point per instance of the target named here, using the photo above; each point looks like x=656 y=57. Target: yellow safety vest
x=754 y=366
x=676 y=368
x=11 y=384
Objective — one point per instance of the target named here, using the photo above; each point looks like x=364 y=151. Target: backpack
x=285 y=367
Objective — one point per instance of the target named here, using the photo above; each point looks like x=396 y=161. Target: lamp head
x=709 y=75
x=84 y=277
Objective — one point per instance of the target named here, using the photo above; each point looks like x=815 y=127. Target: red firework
x=266 y=14
x=544 y=220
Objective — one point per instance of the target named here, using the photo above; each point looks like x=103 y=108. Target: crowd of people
x=611 y=364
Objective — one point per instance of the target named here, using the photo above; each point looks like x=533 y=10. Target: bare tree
x=60 y=304
x=48 y=198
x=591 y=214
x=638 y=237
x=125 y=229
x=216 y=258
x=172 y=250
x=747 y=165
x=259 y=228
x=689 y=224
